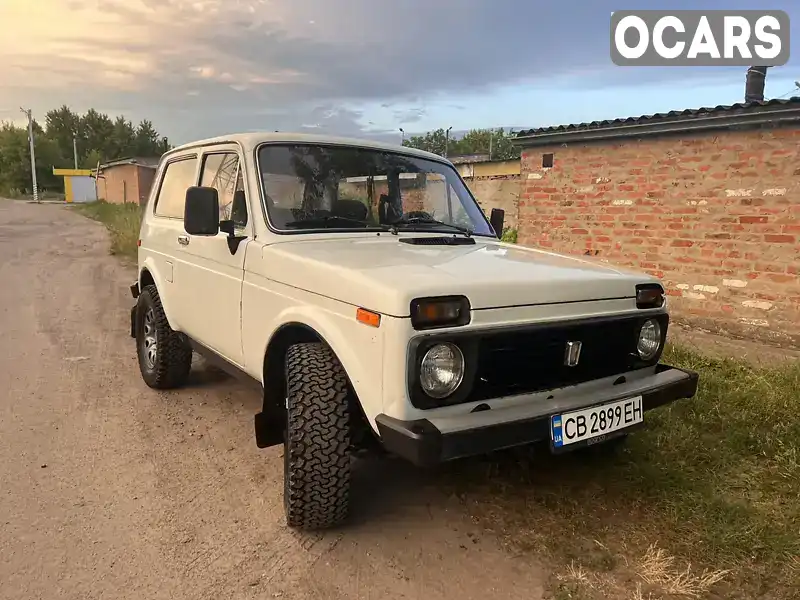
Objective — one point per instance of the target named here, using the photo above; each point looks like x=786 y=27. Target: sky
x=364 y=68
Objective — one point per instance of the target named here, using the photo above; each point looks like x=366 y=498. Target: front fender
x=358 y=347
x=162 y=285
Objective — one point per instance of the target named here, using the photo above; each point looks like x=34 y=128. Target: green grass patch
x=122 y=221
x=509 y=235
x=714 y=481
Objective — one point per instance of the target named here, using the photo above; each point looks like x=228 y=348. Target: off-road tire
x=316 y=455
x=173 y=355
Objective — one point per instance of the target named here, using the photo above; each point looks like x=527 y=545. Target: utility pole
x=491 y=139
x=447 y=140
x=28 y=113
x=75 y=149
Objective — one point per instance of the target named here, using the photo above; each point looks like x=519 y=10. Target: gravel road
x=109 y=489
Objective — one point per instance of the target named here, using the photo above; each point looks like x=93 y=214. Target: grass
x=509 y=235
x=705 y=501
x=122 y=221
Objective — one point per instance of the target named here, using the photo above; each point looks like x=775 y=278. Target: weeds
x=715 y=479
x=509 y=235
x=122 y=221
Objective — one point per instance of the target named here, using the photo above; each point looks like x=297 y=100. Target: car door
x=160 y=241
x=211 y=272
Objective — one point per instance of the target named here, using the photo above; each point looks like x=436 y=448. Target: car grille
x=526 y=361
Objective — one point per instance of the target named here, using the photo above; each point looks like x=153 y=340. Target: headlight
x=442 y=370
x=649 y=340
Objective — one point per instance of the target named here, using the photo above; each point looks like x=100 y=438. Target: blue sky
x=359 y=67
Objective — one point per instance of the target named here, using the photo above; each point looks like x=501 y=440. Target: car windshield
x=310 y=187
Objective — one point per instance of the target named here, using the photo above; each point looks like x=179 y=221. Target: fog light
x=649 y=340
x=442 y=370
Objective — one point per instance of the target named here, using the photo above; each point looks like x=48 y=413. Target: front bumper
x=422 y=443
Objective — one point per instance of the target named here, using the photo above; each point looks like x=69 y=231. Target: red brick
x=682 y=222
x=780 y=278
x=773 y=238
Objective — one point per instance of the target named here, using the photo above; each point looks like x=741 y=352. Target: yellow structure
x=79 y=185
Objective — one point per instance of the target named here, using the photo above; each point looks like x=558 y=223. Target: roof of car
x=252 y=139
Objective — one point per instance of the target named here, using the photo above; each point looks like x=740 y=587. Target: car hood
x=383 y=274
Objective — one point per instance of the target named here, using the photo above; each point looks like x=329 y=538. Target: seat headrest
x=351 y=209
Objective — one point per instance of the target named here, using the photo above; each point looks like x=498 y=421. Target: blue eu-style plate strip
x=558 y=441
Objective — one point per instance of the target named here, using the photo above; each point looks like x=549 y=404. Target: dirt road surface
x=109 y=489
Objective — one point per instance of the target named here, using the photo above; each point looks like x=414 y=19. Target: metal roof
x=143 y=161
x=676 y=121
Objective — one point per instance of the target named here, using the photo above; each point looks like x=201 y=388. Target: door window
x=178 y=177
x=221 y=171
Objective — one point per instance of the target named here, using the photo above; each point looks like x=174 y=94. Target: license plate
x=589 y=423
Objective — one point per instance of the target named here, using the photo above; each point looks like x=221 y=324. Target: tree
x=123 y=139
x=146 y=141
x=62 y=124
x=476 y=141
x=99 y=139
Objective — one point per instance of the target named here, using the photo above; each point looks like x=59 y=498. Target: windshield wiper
x=428 y=221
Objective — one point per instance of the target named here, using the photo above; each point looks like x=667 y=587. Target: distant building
x=126 y=180
x=78 y=184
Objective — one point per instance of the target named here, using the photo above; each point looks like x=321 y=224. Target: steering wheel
x=418 y=214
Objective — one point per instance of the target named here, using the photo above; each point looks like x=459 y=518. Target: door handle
x=183 y=240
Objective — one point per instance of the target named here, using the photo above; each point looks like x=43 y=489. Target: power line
x=794 y=90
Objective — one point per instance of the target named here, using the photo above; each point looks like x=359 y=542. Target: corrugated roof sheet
x=658 y=117
x=145 y=161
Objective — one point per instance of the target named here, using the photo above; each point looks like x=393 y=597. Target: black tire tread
x=317 y=453
x=174 y=354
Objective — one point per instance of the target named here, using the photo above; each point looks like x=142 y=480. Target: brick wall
x=146 y=176
x=120 y=184
x=126 y=183
x=497 y=192
x=715 y=216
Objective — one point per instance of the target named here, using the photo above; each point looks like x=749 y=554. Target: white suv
x=361 y=287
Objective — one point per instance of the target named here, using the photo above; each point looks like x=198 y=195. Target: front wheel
x=165 y=356
x=317 y=451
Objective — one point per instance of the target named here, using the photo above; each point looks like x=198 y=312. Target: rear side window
x=178 y=177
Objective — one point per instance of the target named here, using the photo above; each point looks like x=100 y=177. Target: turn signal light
x=649 y=295
x=367 y=317
x=445 y=311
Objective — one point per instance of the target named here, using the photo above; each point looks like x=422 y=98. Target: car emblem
x=573 y=354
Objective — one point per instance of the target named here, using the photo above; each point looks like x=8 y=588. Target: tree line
x=496 y=142
x=98 y=138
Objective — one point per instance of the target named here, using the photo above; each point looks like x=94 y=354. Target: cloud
x=204 y=67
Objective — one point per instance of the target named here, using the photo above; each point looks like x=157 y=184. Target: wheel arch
x=149 y=274
x=302 y=330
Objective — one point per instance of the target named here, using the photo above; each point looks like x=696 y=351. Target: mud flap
x=269 y=428
x=133 y=322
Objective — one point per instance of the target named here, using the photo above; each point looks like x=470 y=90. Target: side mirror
x=201 y=211
x=496 y=219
